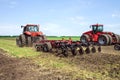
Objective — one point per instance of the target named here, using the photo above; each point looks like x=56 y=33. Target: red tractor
x=30 y=35
x=96 y=35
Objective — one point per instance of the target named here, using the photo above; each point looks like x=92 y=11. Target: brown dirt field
x=23 y=69
x=107 y=63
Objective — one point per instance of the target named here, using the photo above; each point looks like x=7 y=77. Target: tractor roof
x=27 y=25
x=32 y=25
x=97 y=25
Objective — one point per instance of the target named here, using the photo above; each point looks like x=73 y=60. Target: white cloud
x=116 y=15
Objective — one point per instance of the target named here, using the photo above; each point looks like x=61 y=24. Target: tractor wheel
x=29 y=41
x=117 y=47
x=23 y=40
x=85 y=38
x=110 y=39
x=103 y=39
x=18 y=42
x=117 y=38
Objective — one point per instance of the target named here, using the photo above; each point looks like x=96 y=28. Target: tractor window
x=98 y=28
x=33 y=28
x=94 y=28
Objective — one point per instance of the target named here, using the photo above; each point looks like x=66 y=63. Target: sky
x=59 y=17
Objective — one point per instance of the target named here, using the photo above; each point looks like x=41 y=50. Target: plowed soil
x=107 y=63
x=23 y=69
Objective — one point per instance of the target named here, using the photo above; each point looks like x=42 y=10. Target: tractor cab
x=97 y=28
x=31 y=28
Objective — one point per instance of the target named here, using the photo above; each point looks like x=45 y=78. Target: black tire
x=117 y=38
x=23 y=39
x=117 y=47
x=29 y=41
x=110 y=39
x=18 y=42
x=85 y=38
x=103 y=39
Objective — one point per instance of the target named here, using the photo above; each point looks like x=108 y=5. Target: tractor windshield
x=100 y=28
x=33 y=28
x=97 y=28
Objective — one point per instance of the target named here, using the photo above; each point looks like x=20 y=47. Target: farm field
x=27 y=64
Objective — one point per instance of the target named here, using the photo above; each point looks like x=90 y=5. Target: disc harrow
x=66 y=47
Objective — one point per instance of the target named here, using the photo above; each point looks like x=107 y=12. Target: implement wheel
x=87 y=50
x=93 y=49
x=99 y=49
x=81 y=51
x=74 y=51
x=47 y=47
x=117 y=47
